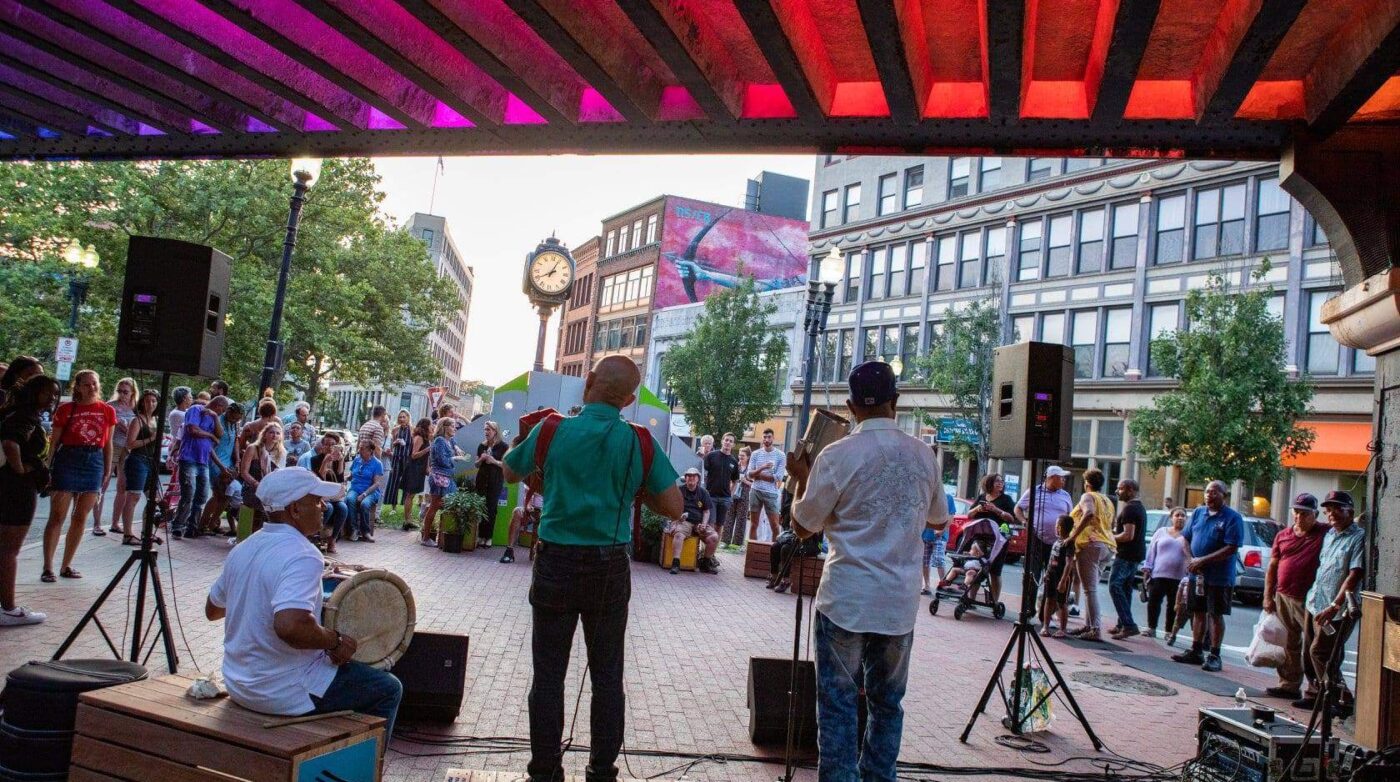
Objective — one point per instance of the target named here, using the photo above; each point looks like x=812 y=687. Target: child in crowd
x=969 y=568
x=1056 y=602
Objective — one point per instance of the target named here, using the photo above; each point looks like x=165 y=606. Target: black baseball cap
x=1341 y=498
x=872 y=383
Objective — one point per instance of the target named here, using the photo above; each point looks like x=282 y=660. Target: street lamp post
x=304 y=173
x=819 y=293
x=78 y=257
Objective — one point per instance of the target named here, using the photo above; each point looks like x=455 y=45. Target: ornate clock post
x=549 y=277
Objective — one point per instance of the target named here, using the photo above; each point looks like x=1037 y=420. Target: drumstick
x=306 y=718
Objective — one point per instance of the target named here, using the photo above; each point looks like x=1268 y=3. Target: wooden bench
x=811 y=575
x=756 y=559
x=148 y=731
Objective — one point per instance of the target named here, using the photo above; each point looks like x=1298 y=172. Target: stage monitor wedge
x=173 y=305
x=1032 y=401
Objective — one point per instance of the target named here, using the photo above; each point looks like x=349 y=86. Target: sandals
x=131 y=540
x=47 y=577
x=1058 y=634
x=114 y=529
x=99 y=532
x=69 y=572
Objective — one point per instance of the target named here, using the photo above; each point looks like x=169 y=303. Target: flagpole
x=432 y=199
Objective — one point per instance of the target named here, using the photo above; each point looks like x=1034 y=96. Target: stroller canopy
x=985 y=528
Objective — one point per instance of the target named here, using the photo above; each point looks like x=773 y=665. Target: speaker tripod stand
x=1022 y=634
x=144 y=560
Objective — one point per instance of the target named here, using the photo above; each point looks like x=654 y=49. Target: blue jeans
x=362 y=510
x=336 y=513
x=194 y=492
x=1120 y=588
x=844 y=660
x=358 y=687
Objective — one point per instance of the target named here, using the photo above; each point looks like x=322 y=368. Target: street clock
x=549 y=277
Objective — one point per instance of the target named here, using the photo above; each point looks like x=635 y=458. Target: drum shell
x=382 y=626
x=43 y=695
x=35 y=751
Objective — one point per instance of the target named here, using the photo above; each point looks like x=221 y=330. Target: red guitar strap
x=550 y=425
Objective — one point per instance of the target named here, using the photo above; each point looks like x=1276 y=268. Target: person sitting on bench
x=526 y=516
x=695 y=520
x=278 y=659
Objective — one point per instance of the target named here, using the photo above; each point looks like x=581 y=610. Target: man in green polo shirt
x=593 y=470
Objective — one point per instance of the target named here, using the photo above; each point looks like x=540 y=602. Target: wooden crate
x=148 y=731
x=756 y=559
x=811 y=575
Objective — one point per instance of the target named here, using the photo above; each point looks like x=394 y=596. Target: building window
x=1125 y=237
x=889 y=343
x=959 y=177
x=1085 y=335
x=853 y=272
x=611 y=243
x=1171 y=229
x=848 y=354
x=1082 y=163
x=878 y=260
x=622 y=236
x=969 y=259
x=870 y=350
x=988 y=174
x=947 y=263
x=828 y=357
x=636 y=234
x=1219 y=222
x=651 y=228
x=913 y=187
x=909 y=350
x=851 y=210
x=1041 y=167
x=1271 y=231
x=889 y=194
x=1161 y=322
x=1028 y=254
x=996 y=256
x=428 y=238
x=1052 y=328
x=1022 y=328
x=1324 y=353
x=918 y=259
x=1110 y=441
x=1361 y=363
x=1059 y=255
x=1316 y=237
x=829 y=204
x=1090 y=242
x=899 y=256
x=1117 y=334
x=1079 y=432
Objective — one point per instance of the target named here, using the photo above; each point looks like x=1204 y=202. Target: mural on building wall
x=705 y=247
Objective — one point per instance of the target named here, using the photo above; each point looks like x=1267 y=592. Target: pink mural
x=706 y=247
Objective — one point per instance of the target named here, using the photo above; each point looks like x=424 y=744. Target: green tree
x=725 y=372
x=1234 y=412
x=361 y=300
x=958 y=365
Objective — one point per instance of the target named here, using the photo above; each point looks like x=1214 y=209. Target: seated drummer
x=278 y=659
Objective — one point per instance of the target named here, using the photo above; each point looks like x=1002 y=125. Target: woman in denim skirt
x=81 y=463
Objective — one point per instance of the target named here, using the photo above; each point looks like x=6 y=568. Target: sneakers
x=429 y=542
x=1307 y=703
x=21 y=615
x=1212 y=663
x=1124 y=632
x=1189 y=657
x=508 y=557
x=708 y=565
x=1284 y=692
x=675 y=567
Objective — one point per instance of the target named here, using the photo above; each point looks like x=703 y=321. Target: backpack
x=535 y=480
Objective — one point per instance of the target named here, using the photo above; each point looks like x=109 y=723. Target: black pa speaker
x=433 y=671
x=769 y=679
x=1032 y=401
x=173 y=306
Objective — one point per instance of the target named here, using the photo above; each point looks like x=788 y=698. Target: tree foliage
x=725 y=373
x=362 y=297
x=958 y=365
x=1234 y=412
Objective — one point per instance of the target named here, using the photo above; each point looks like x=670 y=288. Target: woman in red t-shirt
x=81 y=461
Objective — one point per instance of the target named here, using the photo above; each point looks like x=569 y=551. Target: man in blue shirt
x=366 y=479
x=1211 y=538
x=202 y=430
x=1331 y=602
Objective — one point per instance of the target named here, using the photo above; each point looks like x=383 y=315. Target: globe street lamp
x=304 y=172
x=819 y=293
x=78 y=257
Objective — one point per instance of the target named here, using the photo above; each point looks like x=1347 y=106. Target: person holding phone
x=994 y=503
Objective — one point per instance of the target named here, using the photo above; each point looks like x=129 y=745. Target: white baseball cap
x=1056 y=471
x=285 y=486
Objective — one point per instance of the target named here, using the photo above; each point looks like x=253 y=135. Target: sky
x=499 y=208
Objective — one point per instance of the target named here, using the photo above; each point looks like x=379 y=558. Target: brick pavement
x=689 y=640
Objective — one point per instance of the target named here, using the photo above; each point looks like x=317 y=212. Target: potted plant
x=461 y=513
x=647 y=546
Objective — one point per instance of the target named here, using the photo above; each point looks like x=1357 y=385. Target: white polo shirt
x=275 y=569
x=872 y=493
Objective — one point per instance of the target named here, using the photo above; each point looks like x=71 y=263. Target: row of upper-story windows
x=582 y=294
x=900 y=190
x=575 y=338
x=627 y=289
x=620 y=334
x=628 y=237
x=1087 y=240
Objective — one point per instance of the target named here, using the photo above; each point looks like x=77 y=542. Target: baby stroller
x=987 y=536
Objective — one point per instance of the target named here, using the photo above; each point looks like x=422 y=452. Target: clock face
x=551 y=273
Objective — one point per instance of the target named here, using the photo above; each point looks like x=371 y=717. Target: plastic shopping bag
x=1034 y=708
x=1270 y=637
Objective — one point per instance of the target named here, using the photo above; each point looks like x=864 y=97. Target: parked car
x=1253 y=558
x=960 y=519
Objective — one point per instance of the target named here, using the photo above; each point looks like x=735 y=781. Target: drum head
x=375 y=607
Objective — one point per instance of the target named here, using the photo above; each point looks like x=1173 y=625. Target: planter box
x=450 y=543
x=756 y=559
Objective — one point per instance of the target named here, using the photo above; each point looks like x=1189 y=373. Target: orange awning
x=1338 y=446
